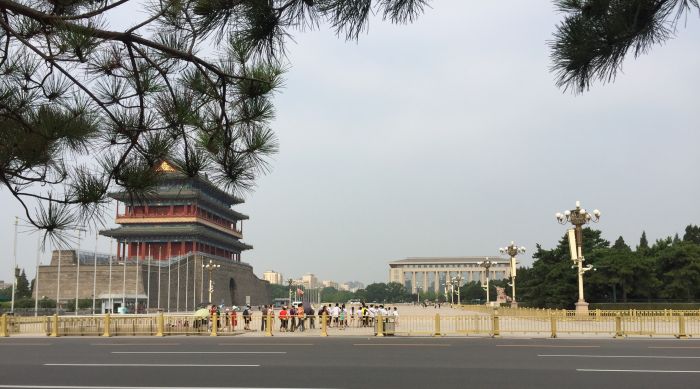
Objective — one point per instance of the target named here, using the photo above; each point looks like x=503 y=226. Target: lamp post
x=578 y=217
x=445 y=285
x=290 y=282
x=15 y=270
x=457 y=281
x=486 y=265
x=512 y=250
x=77 y=271
x=211 y=266
x=418 y=293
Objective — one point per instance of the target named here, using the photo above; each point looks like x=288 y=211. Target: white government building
x=430 y=273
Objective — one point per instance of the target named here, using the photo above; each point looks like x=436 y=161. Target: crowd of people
x=303 y=316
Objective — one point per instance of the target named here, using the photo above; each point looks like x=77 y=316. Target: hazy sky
x=448 y=138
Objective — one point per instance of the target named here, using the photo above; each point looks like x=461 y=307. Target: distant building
x=4 y=284
x=430 y=273
x=309 y=281
x=273 y=277
x=330 y=284
x=352 y=286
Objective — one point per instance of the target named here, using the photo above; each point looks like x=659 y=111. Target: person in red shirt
x=283 y=319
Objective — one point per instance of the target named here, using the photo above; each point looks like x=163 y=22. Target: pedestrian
x=292 y=318
x=246 y=318
x=300 y=318
x=264 y=318
x=311 y=316
x=283 y=319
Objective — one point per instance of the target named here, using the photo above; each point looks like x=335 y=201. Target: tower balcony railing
x=143 y=260
x=228 y=226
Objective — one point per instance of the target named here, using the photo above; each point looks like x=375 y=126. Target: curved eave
x=134 y=232
x=207 y=185
x=185 y=194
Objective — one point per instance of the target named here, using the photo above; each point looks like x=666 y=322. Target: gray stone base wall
x=183 y=286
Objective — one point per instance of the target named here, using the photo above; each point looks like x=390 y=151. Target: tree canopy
x=668 y=270
x=74 y=89
x=595 y=37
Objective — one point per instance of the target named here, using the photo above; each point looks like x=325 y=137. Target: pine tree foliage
x=85 y=109
x=593 y=40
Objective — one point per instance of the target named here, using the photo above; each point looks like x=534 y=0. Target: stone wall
x=184 y=282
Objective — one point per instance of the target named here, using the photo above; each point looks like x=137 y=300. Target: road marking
x=135 y=344
x=638 y=371
x=199 y=352
x=25 y=344
x=266 y=344
x=674 y=347
x=120 y=387
x=402 y=344
x=141 y=365
x=617 y=356
x=543 y=346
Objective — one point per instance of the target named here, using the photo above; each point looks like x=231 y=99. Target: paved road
x=349 y=362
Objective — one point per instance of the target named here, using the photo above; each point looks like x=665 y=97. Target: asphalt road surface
x=349 y=362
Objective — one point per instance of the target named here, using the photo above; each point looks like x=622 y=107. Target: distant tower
x=185 y=215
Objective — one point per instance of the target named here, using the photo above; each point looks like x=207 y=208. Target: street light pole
x=512 y=250
x=290 y=282
x=211 y=266
x=14 y=268
x=77 y=272
x=458 y=282
x=578 y=217
x=486 y=265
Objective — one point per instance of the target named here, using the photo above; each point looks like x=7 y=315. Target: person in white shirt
x=335 y=312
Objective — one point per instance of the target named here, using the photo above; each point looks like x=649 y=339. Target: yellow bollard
x=618 y=326
x=324 y=323
x=160 y=324
x=215 y=323
x=268 y=331
x=107 y=325
x=380 y=326
x=54 y=326
x=3 y=326
x=496 y=326
x=47 y=331
x=553 y=324
x=681 y=326
x=437 y=325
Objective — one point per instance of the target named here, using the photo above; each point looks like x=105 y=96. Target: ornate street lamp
x=457 y=282
x=486 y=265
x=512 y=250
x=211 y=266
x=578 y=217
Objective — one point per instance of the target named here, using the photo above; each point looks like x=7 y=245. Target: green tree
x=692 y=234
x=23 y=289
x=679 y=271
x=643 y=243
x=72 y=84
x=596 y=36
x=551 y=282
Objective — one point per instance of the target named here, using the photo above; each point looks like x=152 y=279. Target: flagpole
x=36 y=278
x=94 y=276
x=187 y=281
x=159 y=263
x=136 y=295
x=110 y=302
x=148 y=283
